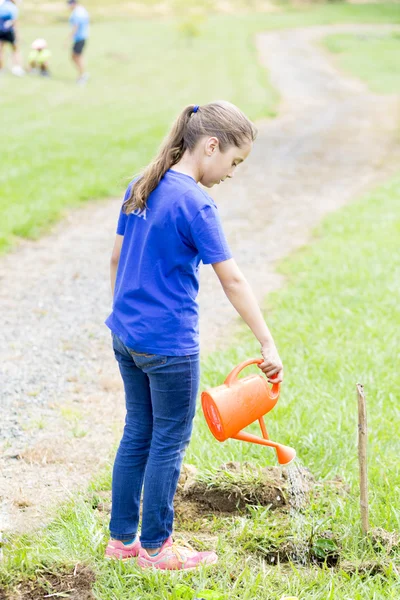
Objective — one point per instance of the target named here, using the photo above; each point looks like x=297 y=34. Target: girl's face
x=217 y=165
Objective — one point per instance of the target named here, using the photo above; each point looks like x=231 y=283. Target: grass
x=67 y=144
x=336 y=323
x=370 y=57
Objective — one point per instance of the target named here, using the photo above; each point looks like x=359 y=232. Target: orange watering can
x=231 y=407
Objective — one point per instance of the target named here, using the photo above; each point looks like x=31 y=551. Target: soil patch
x=231 y=489
x=75 y=584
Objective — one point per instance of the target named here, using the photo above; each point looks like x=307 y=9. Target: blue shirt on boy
x=155 y=309
x=8 y=14
x=80 y=17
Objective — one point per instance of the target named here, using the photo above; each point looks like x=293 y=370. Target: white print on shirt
x=140 y=213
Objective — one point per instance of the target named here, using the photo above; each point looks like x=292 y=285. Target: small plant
x=322 y=545
x=323 y=548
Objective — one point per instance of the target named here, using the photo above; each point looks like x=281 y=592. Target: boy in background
x=79 y=21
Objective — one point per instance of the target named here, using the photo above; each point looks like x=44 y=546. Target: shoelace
x=183 y=545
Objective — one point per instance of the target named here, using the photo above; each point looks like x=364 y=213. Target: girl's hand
x=272 y=366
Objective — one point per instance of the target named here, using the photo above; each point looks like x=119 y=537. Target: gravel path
x=61 y=401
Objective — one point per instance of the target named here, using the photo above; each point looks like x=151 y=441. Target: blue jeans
x=160 y=393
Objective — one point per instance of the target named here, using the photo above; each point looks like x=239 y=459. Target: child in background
x=167 y=226
x=79 y=21
x=39 y=58
x=8 y=35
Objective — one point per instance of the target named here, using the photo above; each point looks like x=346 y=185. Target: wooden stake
x=362 y=457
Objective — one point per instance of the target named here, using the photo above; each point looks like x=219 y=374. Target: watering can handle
x=232 y=377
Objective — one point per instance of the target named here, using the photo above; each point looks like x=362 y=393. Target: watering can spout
x=285 y=454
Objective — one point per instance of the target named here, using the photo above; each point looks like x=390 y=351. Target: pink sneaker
x=116 y=549
x=174 y=557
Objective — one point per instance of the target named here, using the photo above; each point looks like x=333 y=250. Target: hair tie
x=196 y=108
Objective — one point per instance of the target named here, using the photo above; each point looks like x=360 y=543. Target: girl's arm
x=115 y=260
x=242 y=298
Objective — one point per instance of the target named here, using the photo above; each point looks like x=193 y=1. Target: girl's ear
x=211 y=145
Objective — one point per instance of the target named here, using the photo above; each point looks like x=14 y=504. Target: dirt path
x=61 y=401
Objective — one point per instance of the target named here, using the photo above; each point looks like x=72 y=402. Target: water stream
x=297 y=502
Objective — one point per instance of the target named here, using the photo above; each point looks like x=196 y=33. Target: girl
x=167 y=225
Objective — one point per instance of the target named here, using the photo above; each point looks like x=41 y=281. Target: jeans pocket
x=144 y=360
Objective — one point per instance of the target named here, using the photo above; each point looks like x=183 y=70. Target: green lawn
x=67 y=144
x=374 y=58
x=336 y=323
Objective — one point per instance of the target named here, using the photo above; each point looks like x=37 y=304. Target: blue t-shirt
x=80 y=17
x=8 y=14
x=155 y=309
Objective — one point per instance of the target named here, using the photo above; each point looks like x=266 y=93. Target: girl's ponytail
x=171 y=151
x=220 y=119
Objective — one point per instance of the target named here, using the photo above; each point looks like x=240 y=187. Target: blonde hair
x=221 y=119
